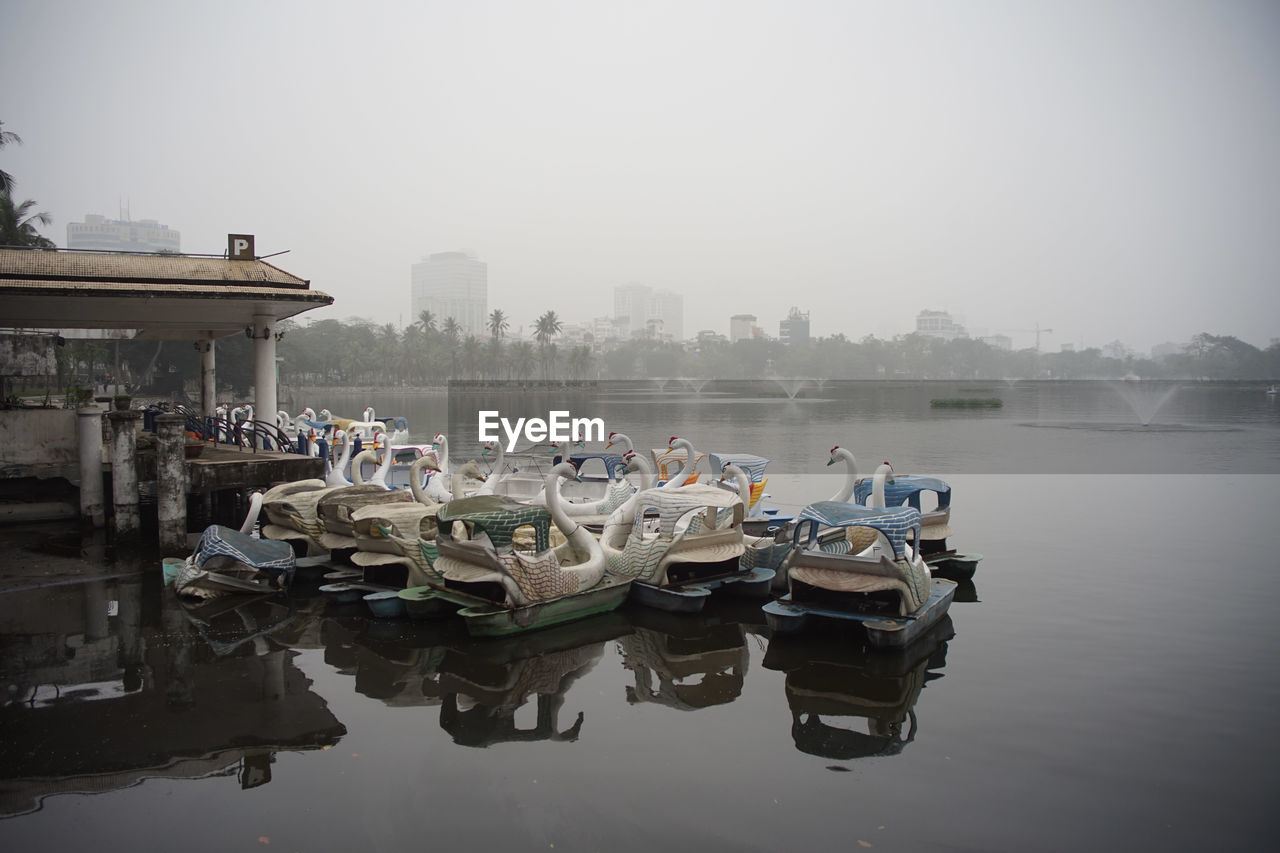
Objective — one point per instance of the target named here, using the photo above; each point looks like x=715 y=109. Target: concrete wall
x=27 y=355
x=39 y=443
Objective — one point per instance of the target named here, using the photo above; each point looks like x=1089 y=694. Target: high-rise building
x=939 y=324
x=794 y=329
x=668 y=307
x=741 y=327
x=631 y=305
x=634 y=305
x=122 y=235
x=452 y=284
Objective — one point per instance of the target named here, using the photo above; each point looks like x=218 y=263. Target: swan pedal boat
x=760 y=520
x=680 y=545
x=499 y=591
x=227 y=561
x=935 y=524
x=867 y=587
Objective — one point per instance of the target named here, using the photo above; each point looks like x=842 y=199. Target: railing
x=256 y=435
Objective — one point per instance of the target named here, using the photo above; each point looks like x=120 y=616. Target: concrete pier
x=171 y=484
x=124 y=473
x=264 y=367
x=208 y=378
x=89 y=433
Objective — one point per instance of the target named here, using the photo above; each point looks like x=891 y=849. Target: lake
x=1107 y=681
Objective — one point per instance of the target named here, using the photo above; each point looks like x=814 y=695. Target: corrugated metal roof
x=29 y=264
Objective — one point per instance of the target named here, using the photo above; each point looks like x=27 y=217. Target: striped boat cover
x=905 y=489
x=665 y=463
x=894 y=522
x=265 y=555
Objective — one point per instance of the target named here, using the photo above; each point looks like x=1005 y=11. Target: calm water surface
x=1106 y=682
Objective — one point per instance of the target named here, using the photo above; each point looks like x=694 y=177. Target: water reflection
x=111 y=682
x=486 y=683
x=395 y=662
x=689 y=662
x=850 y=702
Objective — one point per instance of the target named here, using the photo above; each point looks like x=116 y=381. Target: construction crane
x=1037 y=330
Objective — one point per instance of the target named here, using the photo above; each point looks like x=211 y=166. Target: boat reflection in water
x=690 y=661
x=827 y=681
x=396 y=662
x=486 y=683
x=116 y=687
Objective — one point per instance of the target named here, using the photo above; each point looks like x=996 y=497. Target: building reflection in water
x=112 y=682
x=690 y=661
x=849 y=701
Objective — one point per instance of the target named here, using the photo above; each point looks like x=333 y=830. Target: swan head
x=833 y=460
x=489 y=447
x=885 y=470
x=565 y=470
x=439 y=439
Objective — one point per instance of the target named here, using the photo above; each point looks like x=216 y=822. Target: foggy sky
x=1109 y=170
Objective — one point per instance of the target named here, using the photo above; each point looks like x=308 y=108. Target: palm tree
x=17 y=224
x=6 y=180
x=547 y=327
x=580 y=362
x=451 y=329
x=498 y=323
x=522 y=358
x=427 y=321
x=472 y=351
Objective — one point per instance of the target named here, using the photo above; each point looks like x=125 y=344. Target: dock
x=226 y=466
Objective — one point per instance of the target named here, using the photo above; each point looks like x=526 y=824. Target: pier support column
x=208 y=378
x=171 y=484
x=89 y=432
x=124 y=472
x=264 y=367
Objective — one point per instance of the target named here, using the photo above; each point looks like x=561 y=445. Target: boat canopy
x=499 y=517
x=753 y=465
x=670 y=505
x=614 y=464
x=894 y=523
x=905 y=488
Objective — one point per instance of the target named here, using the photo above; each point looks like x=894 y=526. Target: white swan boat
x=680 y=544
x=887 y=586
x=505 y=590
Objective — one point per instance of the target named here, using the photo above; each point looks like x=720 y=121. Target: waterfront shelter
x=161 y=297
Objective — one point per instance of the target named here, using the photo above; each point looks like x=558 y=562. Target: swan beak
x=607 y=446
x=831 y=462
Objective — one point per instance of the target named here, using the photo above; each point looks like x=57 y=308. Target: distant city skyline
x=1106 y=170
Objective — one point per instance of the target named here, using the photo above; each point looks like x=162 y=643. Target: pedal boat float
x=886 y=587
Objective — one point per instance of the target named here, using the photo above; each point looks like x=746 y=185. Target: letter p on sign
x=240 y=247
